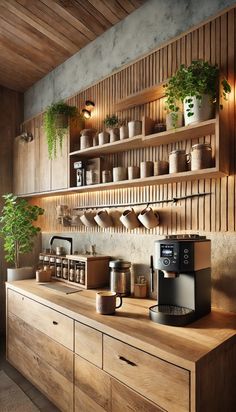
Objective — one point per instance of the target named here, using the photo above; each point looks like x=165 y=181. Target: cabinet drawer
x=163 y=383
x=57 y=326
x=88 y=343
x=93 y=383
x=126 y=400
x=55 y=354
x=53 y=384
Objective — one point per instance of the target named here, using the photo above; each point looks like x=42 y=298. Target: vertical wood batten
x=214 y=42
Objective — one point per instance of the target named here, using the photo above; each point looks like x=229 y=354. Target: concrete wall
x=156 y=22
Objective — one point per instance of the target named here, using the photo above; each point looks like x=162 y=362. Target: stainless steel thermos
x=120 y=277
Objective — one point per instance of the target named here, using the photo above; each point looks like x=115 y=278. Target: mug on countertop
x=106 y=302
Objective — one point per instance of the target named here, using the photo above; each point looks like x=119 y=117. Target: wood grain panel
x=36 y=36
x=52 y=323
x=215 y=212
x=137 y=369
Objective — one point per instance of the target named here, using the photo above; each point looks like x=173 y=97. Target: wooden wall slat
x=213 y=41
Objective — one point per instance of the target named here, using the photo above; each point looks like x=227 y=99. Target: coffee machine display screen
x=167 y=250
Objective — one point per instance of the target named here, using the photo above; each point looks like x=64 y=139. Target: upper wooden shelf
x=175 y=135
x=119 y=146
x=145 y=96
x=148 y=139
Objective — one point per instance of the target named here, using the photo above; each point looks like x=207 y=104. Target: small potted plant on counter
x=56 y=121
x=18 y=231
x=112 y=123
x=197 y=87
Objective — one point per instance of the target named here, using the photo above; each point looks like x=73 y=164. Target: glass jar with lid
x=201 y=156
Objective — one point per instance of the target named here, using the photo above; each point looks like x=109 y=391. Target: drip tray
x=171 y=315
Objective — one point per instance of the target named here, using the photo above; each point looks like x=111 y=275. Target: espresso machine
x=183 y=264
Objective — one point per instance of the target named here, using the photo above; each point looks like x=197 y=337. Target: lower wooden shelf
x=212 y=172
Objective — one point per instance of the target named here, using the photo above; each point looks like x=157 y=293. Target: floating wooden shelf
x=145 y=96
x=175 y=135
x=211 y=172
x=119 y=146
x=148 y=139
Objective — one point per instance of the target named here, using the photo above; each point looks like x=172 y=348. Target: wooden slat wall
x=214 y=41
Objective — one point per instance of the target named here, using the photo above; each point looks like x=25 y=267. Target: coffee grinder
x=183 y=264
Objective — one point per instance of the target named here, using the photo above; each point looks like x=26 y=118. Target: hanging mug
x=103 y=219
x=129 y=219
x=149 y=218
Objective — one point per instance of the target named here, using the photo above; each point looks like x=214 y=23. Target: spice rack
x=85 y=271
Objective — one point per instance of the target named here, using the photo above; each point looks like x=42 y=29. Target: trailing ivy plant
x=111 y=121
x=16 y=227
x=195 y=80
x=55 y=132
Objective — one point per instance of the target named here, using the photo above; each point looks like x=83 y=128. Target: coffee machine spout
x=170 y=275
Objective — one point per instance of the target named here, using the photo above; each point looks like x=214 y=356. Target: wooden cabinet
x=118 y=363
x=54 y=324
x=88 y=343
x=126 y=400
x=92 y=387
x=163 y=383
x=24 y=166
x=43 y=360
x=33 y=172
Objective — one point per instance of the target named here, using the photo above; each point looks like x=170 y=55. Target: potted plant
x=56 y=120
x=18 y=231
x=197 y=87
x=112 y=123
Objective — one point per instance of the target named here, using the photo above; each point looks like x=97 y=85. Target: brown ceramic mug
x=106 y=302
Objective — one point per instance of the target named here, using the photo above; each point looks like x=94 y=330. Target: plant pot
x=20 y=273
x=203 y=109
x=61 y=121
x=86 y=138
x=114 y=134
x=174 y=120
x=124 y=132
x=135 y=128
x=103 y=138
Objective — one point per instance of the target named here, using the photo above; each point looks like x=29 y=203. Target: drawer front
x=163 y=383
x=54 y=324
x=55 y=354
x=54 y=385
x=93 y=382
x=88 y=343
x=126 y=400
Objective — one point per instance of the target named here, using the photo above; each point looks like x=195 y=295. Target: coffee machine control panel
x=174 y=256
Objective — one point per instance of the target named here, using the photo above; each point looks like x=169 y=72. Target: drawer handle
x=127 y=361
x=54 y=322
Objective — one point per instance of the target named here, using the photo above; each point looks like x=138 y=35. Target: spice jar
x=52 y=265
x=201 y=156
x=65 y=269
x=82 y=273
x=72 y=271
x=58 y=268
x=177 y=161
x=77 y=272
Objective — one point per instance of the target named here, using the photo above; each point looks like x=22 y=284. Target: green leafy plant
x=16 y=227
x=111 y=121
x=195 y=80
x=55 y=132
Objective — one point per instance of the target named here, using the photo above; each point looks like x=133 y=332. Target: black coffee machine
x=183 y=264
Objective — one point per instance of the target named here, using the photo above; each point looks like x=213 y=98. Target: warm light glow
x=86 y=113
x=89 y=104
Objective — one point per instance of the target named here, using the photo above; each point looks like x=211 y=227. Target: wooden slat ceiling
x=38 y=35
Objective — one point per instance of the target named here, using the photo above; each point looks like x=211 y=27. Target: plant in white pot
x=112 y=123
x=18 y=232
x=197 y=87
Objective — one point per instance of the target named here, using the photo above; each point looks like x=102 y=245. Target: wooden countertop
x=183 y=346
